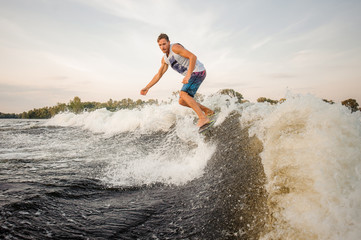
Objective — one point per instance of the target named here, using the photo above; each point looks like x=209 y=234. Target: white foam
x=224 y=103
x=168 y=163
x=149 y=118
x=161 y=166
x=312 y=160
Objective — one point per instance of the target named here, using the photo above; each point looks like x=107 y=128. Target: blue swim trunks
x=194 y=82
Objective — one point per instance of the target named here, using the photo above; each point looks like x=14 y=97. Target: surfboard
x=209 y=125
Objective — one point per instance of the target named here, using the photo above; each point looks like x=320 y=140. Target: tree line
x=77 y=106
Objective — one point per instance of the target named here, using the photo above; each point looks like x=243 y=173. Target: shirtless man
x=186 y=63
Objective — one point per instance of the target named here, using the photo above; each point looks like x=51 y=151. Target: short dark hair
x=163 y=35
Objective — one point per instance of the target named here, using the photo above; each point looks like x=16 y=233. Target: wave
x=157 y=143
x=150 y=118
x=312 y=161
x=310 y=157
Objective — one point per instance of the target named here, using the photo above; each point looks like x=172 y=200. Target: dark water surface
x=52 y=186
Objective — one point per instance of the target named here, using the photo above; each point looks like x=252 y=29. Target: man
x=186 y=63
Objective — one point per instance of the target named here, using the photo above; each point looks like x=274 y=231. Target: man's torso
x=181 y=64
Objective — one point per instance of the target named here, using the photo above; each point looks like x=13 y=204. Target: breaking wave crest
x=310 y=155
x=312 y=161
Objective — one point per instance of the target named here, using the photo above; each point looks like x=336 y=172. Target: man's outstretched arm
x=163 y=68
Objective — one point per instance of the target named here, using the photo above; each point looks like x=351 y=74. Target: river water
x=286 y=171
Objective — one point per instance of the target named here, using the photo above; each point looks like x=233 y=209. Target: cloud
x=281 y=75
x=59 y=78
x=108 y=49
x=261 y=43
x=132 y=10
x=19 y=98
x=150 y=12
x=69 y=61
x=176 y=17
x=10 y=30
x=12 y=89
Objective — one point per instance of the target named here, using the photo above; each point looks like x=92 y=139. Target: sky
x=54 y=50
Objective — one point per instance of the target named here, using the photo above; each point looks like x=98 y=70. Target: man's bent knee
x=182 y=102
x=183 y=94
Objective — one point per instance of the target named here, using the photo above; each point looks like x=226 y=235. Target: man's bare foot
x=202 y=121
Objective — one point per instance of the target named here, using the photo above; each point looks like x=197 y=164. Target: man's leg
x=206 y=110
x=203 y=119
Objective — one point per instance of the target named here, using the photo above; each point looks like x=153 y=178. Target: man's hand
x=186 y=79
x=144 y=91
x=179 y=49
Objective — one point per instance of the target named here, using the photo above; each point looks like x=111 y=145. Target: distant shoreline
x=77 y=106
